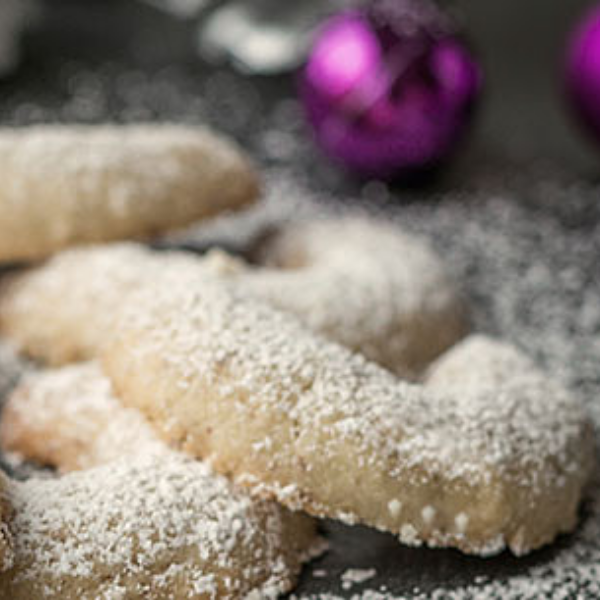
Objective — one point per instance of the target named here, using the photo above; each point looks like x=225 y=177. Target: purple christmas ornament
x=583 y=70
x=389 y=89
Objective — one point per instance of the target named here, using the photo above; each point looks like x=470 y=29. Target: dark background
x=522 y=46
x=521 y=118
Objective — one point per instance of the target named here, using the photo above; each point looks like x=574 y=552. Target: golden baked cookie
x=62 y=311
x=366 y=285
x=307 y=422
x=147 y=523
x=68 y=418
x=76 y=184
x=157 y=526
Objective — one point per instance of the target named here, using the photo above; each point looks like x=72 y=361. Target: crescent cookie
x=65 y=185
x=63 y=311
x=68 y=418
x=366 y=285
x=363 y=284
x=296 y=418
x=149 y=524
x=156 y=526
x=479 y=363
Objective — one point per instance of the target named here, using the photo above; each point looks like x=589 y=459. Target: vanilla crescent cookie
x=303 y=420
x=149 y=524
x=367 y=285
x=68 y=418
x=479 y=363
x=156 y=526
x=76 y=184
x=63 y=311
x=361 y=283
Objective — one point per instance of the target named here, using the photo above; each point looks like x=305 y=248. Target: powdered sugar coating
x=65 y=185
x=222 y=375
x=152 y=527
x=150 y=523
x=69 y=419
x=373 y=288
x=51 y=315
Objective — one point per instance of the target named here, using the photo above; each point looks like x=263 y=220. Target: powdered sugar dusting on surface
x=354 y=576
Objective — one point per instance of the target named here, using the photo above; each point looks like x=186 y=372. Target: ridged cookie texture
x=362 y=283
x=76 y=184
x=303 y=420
x=141 y=521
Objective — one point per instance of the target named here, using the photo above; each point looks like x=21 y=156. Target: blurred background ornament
x=389 y=90
x=583 y=70
x=14 y=17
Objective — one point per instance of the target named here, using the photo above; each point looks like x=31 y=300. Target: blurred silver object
x=257 y=36
x=182 y=8
x=260 y=36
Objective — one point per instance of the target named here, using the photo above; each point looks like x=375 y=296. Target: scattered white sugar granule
x=428 y=514
x=408 y=535
x=320 y=573
x=394 y=506
x=355 y=576
x=462 y=521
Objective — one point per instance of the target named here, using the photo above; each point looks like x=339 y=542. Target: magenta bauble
x=389 y=89
x=583 y=70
